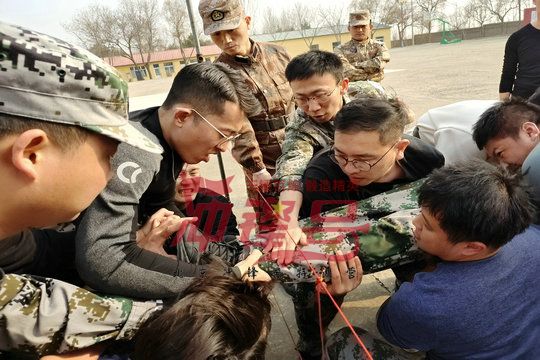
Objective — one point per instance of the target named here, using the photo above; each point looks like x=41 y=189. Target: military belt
x=271 y=124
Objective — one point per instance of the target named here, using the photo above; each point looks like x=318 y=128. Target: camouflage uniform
x=46 y=316
x=305 y=137
x=260 y=146
x=363 y=61
x=264 y=70
x=47 y=79
x=378 y=228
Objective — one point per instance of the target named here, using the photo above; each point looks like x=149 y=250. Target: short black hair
x=207 y=86
x=66 y=136
x=478 y=201
x=504 y=119
x=315 y=62
x=386 y=116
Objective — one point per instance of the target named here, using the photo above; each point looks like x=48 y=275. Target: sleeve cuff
x=140 y=312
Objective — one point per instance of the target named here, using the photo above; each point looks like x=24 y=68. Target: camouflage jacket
x=264 y=71
x=303 y=138
x=46 y=316
x=363 y=61
x=378 y=229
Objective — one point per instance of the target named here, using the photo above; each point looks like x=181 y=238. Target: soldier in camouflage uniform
x=263 y=66
x=62 y=113
x=320 y=91
x=363 y=58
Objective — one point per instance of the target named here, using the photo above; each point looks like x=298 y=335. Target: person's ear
x=248 y=22
x=531 y=129
x=401 y=146
x=182 y=115
x=473 y=248
x=28 y=151
x=344 y=86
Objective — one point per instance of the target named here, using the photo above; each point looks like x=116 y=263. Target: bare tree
x=278 y=24
x=459 y=20
x=478 y=13
x=176 y=16
x=87 y=27
x=499 y=8
x=145 y=15
x=393 y=12
x=130 y=31
x=334 y=17
x=430 y=10
x=308 y=22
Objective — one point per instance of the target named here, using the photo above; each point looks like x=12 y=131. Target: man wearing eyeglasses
x=320 y=90
x=204 y=112
x=370 y=155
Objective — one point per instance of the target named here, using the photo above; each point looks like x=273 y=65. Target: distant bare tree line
x=143 y=27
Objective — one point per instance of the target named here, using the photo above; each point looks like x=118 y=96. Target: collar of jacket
x=253 y=57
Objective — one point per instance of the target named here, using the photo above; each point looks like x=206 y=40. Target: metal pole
x=412 y=23
x=200 y=59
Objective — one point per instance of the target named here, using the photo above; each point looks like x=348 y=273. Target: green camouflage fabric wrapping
x=46 y=316
x=378 y=228
x=342 y=345
x=363 y=61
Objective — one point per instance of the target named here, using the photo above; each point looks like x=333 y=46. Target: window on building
x=157 y=71
x=169 y=68
x=314 y=47
x=379 y=39
x=138 y=72
x=335 y=44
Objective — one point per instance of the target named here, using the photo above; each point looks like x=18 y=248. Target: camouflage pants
x=342 y=345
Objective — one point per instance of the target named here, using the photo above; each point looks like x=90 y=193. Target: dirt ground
x=424 y=76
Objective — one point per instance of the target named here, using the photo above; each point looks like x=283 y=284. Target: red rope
x=319 y=282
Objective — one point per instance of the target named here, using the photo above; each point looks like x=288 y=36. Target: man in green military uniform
x=63 y=112
x=320 y=90
x=363 y=58
x=263 y=66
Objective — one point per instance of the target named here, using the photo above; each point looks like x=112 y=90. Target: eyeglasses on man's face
x=320 y=99
x=231 y=138
x=361 y=165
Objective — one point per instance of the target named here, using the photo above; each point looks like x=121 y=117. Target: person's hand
x=262 y=179
x=154 y=221
x=158 y=228
x=248 y=270
x=346 y=273
x=284 y=241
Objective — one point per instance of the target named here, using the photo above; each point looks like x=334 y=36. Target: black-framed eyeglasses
x=232 y=138
x=361 y=165
x=320 y=99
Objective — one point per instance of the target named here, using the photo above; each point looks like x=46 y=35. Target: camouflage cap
x=48 y=79
x=361 y=17
x=220 y=15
